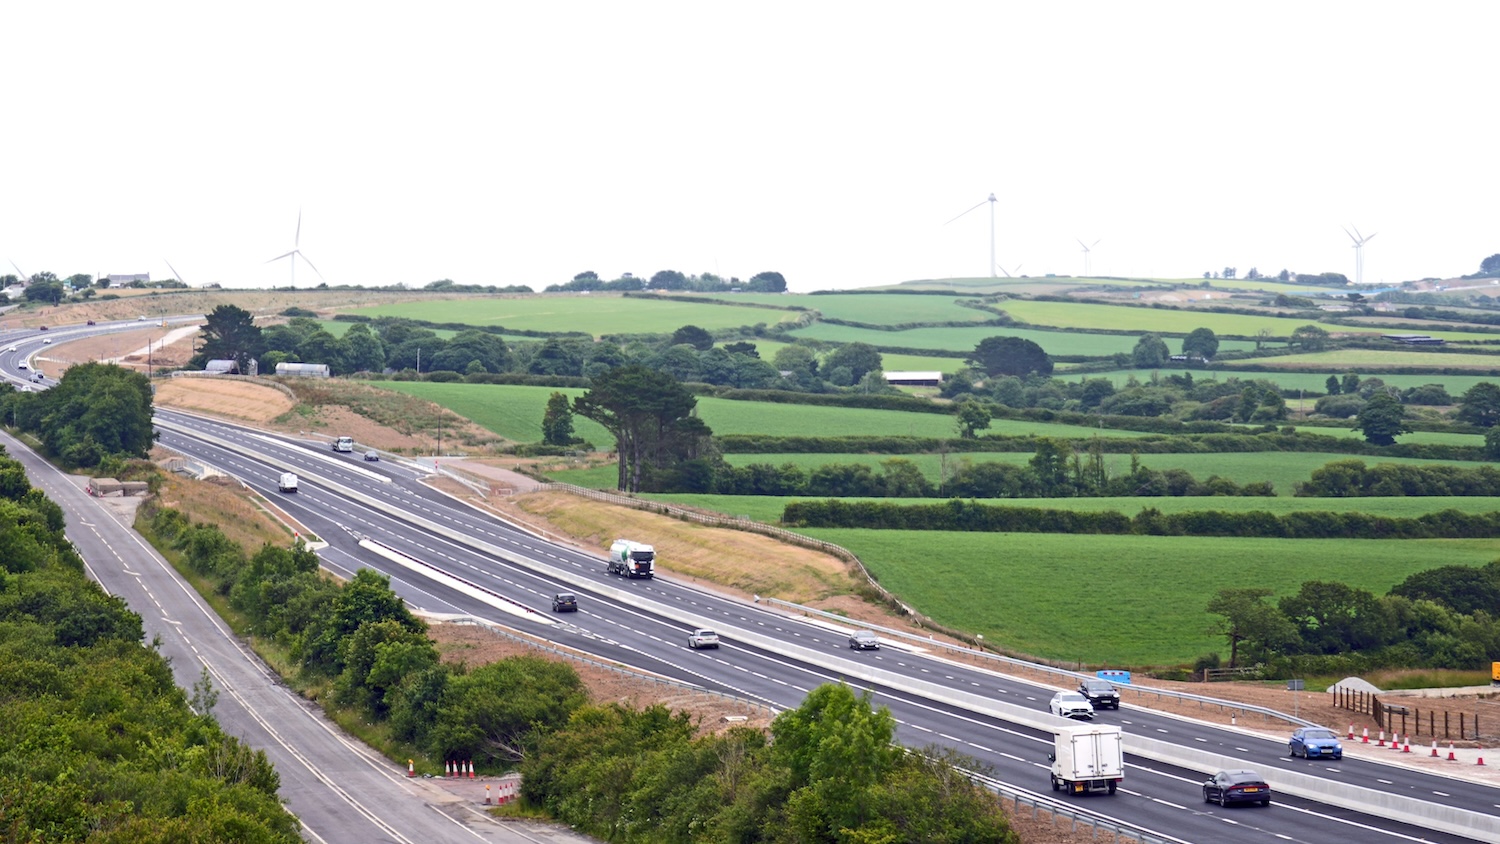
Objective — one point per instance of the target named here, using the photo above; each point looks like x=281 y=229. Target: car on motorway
x=91 y=322
x=1101 y=693
x=565 y=602
x=703 y=638
x=1315 y=743
x=47 y=341
x=41 y=328
x=863 y=640
x=1227 y=787
x=141 y=318
x=372 y=455
x=21 y=365
x=1071 y=705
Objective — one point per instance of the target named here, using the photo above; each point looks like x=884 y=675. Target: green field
x=1090 y=316
x=767 y=350
x=873 y=308
x=1123 y=601
x=1312 y=382
x=1343 y=359
x=768 y=508
x=1282 y=469
x=962 y=341
x=339 y=328
x=597 y=314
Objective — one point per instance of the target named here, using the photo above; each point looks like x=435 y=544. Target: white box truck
x=345 y=444
x=1088 y=758
x=288 y=482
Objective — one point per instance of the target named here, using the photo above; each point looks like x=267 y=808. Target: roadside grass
x=1121 y=601
x=412 y=414
x=512 y=411
x=597 y=314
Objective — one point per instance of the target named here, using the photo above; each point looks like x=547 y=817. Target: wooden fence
x=1407 y=718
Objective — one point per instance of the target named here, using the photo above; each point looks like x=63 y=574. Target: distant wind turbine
x=175 y=274
x=20 y=271
x=991 y=201
x=1359 y=252
x=1010 y=273
x=295 y=253
x=1087 y=248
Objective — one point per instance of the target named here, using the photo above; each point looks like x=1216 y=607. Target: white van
x=288 y=482
x=344 y=444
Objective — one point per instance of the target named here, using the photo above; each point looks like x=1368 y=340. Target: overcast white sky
x=521 y=143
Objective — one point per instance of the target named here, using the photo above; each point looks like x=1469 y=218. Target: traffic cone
x=486 y=795
x=1451 y=757
x=1434 y=749
x=411 y=770
x=1406 y=748
x=1481 y=761
x=1396 y=742
x=1381 y=743
x=471 y=769
x=1364 y=737
x=1351 y=732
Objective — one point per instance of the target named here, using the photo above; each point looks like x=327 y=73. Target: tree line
x=1439 y=618
x=97 y=743
x=960 y=515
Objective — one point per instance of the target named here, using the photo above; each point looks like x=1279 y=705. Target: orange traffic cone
x=1351 y=732
x=1451 y=757
x=471 y=769
x=1434 y=749
x=1364 y=737
x=411 y=770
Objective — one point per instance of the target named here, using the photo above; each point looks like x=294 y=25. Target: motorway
x=766 y=656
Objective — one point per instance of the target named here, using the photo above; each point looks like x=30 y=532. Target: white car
x=47 y=341
x=703 y=638
x=1071 y=705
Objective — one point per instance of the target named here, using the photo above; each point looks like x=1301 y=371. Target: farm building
x=306 y=370
x=222 y=367
x=914 y=379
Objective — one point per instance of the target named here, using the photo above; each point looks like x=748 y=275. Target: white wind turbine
x=295 y=253
x=1359 y=252
x=1011 y=273
x=175 y=274
x=991 y=201
x=20 y=272
x=1087 y=248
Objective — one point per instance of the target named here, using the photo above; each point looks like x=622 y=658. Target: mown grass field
x=1125 y=601
x=1093 y=317
x=597 y=314
x=1343 y=359
x=962 y=340
x=768 y=508
x=339 y=328
x=874 y=308
x=1315 y=383
x=767 y=350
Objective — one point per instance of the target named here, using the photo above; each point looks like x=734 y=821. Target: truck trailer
x=632 y=559
x=1087 y=758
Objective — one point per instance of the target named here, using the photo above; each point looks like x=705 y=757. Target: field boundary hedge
x=959 y=515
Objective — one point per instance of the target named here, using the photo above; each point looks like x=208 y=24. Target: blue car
x=1316 y=743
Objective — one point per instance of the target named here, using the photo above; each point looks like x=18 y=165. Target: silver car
x=1071 y=705
x=703 y=638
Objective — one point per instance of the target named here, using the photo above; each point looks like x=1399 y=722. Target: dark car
x=1315 y=742
x=1101 y=693
x=1227 y=787
x=863 y=640
x=565 y=602
x=41 y=328
x=91 y=322
x=373 y=456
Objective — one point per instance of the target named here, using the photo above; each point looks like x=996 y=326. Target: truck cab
x=345 y=444
x=631 y=559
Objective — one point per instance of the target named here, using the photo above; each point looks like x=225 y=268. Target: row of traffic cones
x=508 y=791
x=450 y=769
x=1405 y=747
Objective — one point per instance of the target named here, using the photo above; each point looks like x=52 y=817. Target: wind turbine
x=1010 y=273
x=991 y=201
x=1359 y=252
x=295 y=253
x=20 y=272
x=1087 y=248
x=177 y=275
